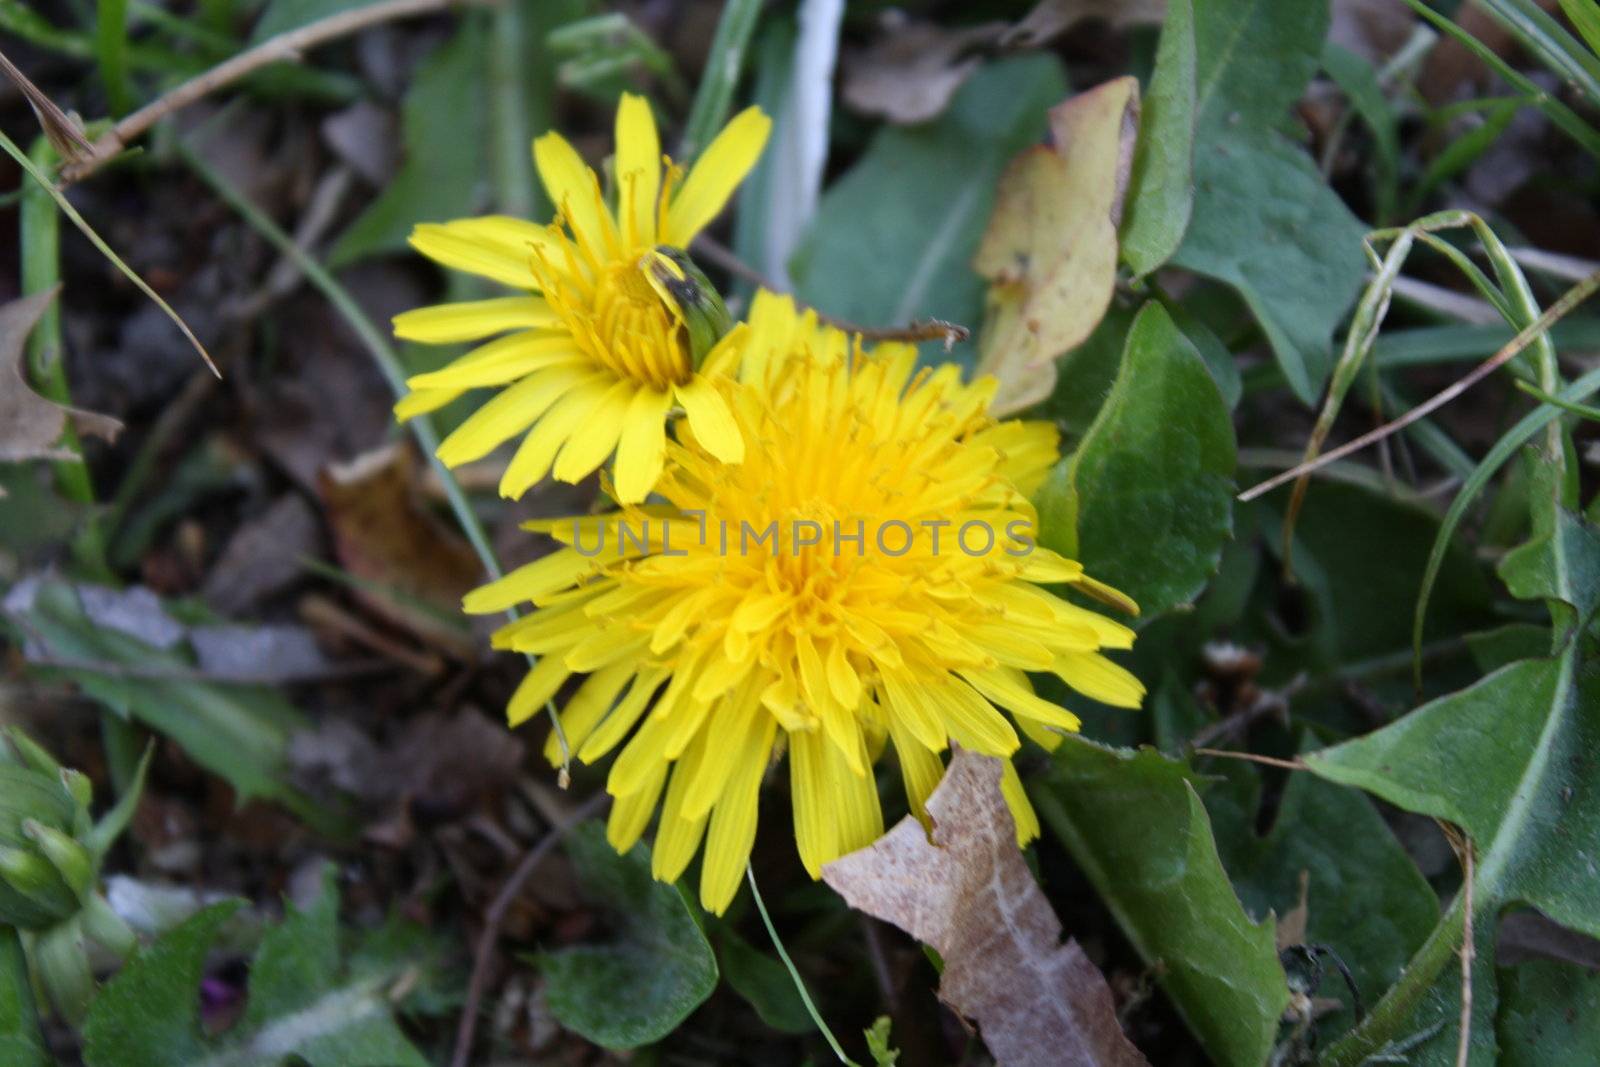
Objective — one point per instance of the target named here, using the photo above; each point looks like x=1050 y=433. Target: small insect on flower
x=866 y=576
x=614 y=326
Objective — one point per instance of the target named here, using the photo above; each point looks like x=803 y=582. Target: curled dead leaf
x=1050 y=252
x=30 y=425
x=966 y=890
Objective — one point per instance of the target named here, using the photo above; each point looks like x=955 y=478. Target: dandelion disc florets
x=865 y=577
x=595 y=351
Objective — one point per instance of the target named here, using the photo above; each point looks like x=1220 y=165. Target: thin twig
x=285 y=47
x=1462 y=845
x=794 y=972
x=1251 y=757
x=949 y=333
x=496 y=915
x=1569 y=300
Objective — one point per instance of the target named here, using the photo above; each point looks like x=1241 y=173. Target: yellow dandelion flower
x=865 y=577
x=595 y=350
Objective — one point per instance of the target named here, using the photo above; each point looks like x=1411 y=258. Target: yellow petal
x=572 y=186
x=509 y=413
x=592 y=441
x=815 y=833
x=711 y=420
x=1099 y=679
x=537 y=451
x=471 y=319
x=423 y=402
x=500 y=361
x=920 y=768
x=556 y=571
x=733 y=827
x=494 y=246
x=677 y=836
x=1017 y=800
x=642 y=448
x=588 y=707
x=631 y=814
x=716 y=174
x=638 y=170
x=535 y=690
x=972 y=720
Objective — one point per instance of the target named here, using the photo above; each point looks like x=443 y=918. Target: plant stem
x=1383 y=1023
x=19 y=1015
x=717 y=82
x=794 y=972
x=388 y=363
x=40 y=226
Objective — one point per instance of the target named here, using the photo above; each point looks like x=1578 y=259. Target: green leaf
x=1136 y=826
x=1549 y=1015
x=1510 y=760
x=304 y=1005
x=893 y=239
x=21 y=1044
x=446 y=159
x=1161 y=189
x=1585 y=16
x=1146 y=501
x=1545 y=37
x=1560 y=563
x=1365 y=897
x=240 y=732
x=763 y=982
x=656 y=969
x=1264 y=221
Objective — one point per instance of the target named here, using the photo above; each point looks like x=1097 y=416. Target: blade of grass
x=715 y=96
x=111 y=49
x=1585 y=16
x=1558 y=113
x=1546 y=38
x=377 y=345
x=794 y=972
x=1584 y=411
x=104 y=249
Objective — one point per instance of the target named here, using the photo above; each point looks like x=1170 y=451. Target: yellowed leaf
x=968 y=893
x=30 y=425
x=1050 y=252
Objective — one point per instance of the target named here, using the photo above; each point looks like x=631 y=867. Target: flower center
x=621 y=323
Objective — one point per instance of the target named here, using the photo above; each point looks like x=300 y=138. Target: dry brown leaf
x=30 y=425
x=914 y=68
x=910 y=74
x=417 y=568
x=1051 y=17
x=969 y=894
x=1050 y=252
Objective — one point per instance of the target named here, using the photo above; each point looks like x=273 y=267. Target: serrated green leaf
x=21 y=1044
x=304 y=1005
x=147 y=1015
x=1146 y=501
x=1136 y=826
x=656 y=969
x=1264 y=221
x=893 y=239
x=1161 y=189
x=446 y=151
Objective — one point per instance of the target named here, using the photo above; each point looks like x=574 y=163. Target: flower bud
x=71 y=859
x=61 y=960
x=33 y=894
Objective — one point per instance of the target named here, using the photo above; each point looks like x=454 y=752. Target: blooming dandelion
x=864 y=578
x=600 y=343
